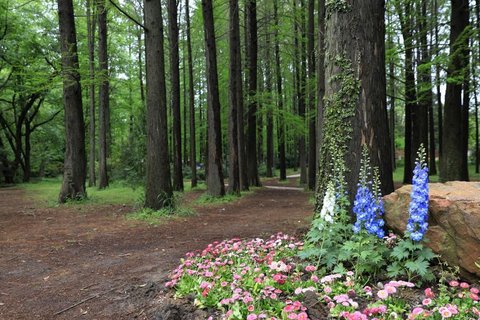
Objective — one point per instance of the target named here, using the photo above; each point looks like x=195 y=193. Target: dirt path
x=53 y=258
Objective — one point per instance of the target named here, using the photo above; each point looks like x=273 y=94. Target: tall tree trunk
x=215 y=186
x=242 y=150
x=175 y=90
x=423 y=126
x=355 y=107
x=477 y=146
x=281 y=119
x=91 y=92
x=158 y=189
x=191 y=100
x=406 y=22
x=269 y=115
x=302 y=152
x=234 y=98
x=453 y=165
x=312 y=143
x=391 y=87
x=465 y=116
x=437 y=80
x=75 y=165
x=320 y=79
x=252 y=48
x=104 y=94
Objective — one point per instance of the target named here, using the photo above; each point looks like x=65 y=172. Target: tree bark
x=158 y=190
x=234 y=98
x=302 y=74
x=74 y=171
x=356 y=93
x=437 y=80
x=215 y=186
x=320 y=79
x=91 y=93
x=175 y=90
x=453 y=165
x=104 y=94
x=406 y=23
x=312 y=143
x=269 y=115
x=281 y=121
x=252 y=49
x=191 y=100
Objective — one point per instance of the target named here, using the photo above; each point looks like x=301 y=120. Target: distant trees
x=74 y=170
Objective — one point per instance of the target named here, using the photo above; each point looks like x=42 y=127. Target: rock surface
x=454 y=221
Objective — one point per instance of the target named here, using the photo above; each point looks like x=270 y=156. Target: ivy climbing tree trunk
x=158 y=189
x=215 y=186
x=355 y=95
x=75 y=164
x=320 y=78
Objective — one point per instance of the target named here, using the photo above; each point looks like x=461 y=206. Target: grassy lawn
x=398 y=175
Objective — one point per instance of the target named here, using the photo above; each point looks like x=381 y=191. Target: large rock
x=454 y=221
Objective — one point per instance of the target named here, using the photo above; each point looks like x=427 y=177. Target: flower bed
x=264 y=279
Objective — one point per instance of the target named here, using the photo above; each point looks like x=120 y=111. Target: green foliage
x=155 y=217
x=411 y=259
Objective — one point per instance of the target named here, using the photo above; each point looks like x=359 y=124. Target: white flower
x=328 y=204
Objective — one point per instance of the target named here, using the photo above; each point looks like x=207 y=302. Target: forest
x=316 y=159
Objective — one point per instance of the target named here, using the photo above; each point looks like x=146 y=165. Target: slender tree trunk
x=175 y=90
x=252 y=48
x=312 y=143
x=75 y=165
x=281 y=119
x=302 y=152
x=320 y=79
x=242 y=151
x=477 y=146
x=158 y=190
x=391 y=86
x=104 y=94
x=406 y=22
x=465 y=117
x=423 y=127
x=91 y=92
x=269 y=115
x=215 y=186
x=234 y=98
x=453 y=165
x=355 y=107
x=437 y=80
x=191 y=100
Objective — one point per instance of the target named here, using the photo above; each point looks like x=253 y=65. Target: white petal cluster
x=328 y=208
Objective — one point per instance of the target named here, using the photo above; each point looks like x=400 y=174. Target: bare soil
x=90 y=262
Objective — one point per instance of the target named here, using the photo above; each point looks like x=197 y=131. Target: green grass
x=207 y=200
x=155 y=217
x=46 y=193
x=398 y=175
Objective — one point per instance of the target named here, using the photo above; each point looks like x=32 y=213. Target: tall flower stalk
x=368 y=205
x=418 y=222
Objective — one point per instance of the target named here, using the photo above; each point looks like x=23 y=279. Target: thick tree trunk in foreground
x=215 y=186
x=453 y=165
x=104 y=94
x=355 y=96
x=75 y=165
x=158 y=190
x=175 y=90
